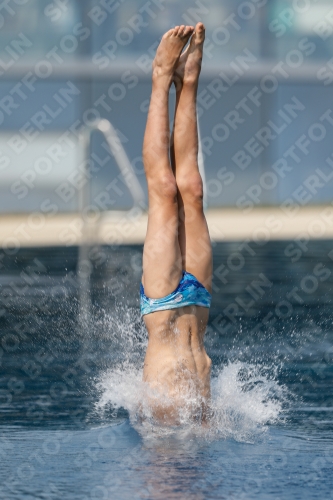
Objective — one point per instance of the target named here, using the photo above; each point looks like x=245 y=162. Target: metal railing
x=84 y=267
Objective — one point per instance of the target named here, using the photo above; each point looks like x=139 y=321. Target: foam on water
x=245 y=399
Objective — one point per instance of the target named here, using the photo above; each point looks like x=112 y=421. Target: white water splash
x=244 y=401
x=245 y=398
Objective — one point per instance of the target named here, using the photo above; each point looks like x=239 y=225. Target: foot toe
x=199 y=33
x=188 y=30
x=168 y=34
x=200 y=28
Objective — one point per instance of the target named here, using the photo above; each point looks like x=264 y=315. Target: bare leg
x=176 y=364
x=193 y=232
x=162 y=265
x=194 y=237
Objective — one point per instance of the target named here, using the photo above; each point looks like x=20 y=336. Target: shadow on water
x=69 y=392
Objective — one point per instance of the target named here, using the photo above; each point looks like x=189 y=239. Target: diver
x=177 y=257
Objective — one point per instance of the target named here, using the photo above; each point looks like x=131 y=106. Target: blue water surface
x=61 y=436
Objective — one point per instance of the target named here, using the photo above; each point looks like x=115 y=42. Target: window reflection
x=41 y=25
x=291 y=22
x=125 y=29
x=136 y=26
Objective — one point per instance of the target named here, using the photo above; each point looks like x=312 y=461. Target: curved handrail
x=122 y=160
x=130 y=178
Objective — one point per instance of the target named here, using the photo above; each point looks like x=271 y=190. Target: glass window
x=32 y=29
x=298 y=23
x=120 y=31
x=135 y=27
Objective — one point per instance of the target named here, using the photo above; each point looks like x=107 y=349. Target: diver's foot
x=168 y=52
x=189 y=65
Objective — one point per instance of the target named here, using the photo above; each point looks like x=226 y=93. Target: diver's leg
x=161 y=257
x=193 y=231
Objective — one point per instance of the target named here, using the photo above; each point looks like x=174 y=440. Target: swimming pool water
x=63 y=430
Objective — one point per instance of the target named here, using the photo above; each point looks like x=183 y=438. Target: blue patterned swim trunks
x=189 y=292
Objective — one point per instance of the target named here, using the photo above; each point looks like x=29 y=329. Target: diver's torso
x=176 y=363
